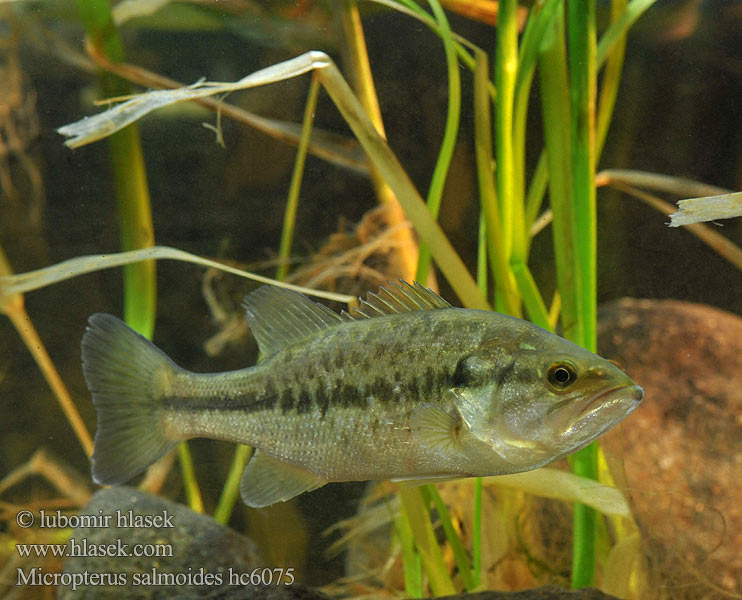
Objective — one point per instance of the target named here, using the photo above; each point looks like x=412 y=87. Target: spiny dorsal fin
x=279 y=317
x=396 y=298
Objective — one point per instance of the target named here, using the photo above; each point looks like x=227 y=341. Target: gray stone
x=204 y=559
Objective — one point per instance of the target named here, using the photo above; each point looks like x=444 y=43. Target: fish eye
x=561 y=375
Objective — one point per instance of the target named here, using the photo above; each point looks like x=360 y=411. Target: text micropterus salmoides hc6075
x=406 y=387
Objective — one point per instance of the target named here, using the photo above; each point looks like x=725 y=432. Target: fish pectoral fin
x=434 y=428
x=267 y=480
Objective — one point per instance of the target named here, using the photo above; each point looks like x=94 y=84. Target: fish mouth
x=611 y=406
x=629 y=396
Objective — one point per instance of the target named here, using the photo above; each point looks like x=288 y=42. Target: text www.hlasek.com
x=82 y=548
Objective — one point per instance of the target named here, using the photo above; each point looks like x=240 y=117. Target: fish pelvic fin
x=267 y=480
x=125 y=374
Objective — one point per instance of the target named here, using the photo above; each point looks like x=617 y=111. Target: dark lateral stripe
x=241 y=403
x=319 y=396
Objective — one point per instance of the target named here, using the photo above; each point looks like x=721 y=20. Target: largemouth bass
x=405 y=387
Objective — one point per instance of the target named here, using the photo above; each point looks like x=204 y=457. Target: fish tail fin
x=126 y=375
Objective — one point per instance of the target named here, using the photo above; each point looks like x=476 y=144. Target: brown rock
x=682 y=448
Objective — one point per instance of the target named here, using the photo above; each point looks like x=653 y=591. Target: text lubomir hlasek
x=124 y=519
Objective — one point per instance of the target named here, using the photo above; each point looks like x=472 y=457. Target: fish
x=404 y=387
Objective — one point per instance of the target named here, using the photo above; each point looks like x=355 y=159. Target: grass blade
x=417 y=513
x=193 y=492
x=13 y=306
x=132 y=195
x=405 y=258
x=386 y=162
x=583 y=86
x=506 y=68
x=556 y=118
x=611 y=80
x=130 y=178
x=613 y=34
x=538 y=20
x=231 y=490
x=292 y=203
x=477 y=534
x=448 y=144
x=412 y=565
x=503 y=280
x=459 y=553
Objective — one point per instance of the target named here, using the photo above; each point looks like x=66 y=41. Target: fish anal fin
x=267 y=480
x=279 y=317
x=434 y=428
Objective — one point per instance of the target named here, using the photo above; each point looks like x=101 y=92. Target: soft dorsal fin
x=397 y=297
x=279 y=317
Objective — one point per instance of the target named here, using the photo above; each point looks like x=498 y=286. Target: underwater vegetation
x=457 y=144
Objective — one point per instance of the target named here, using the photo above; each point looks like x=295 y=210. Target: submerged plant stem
x=130 y=179
x=448 y=145
x=457 y=546
x=413 y=573
x=12 y=305
x=556 y=118
x=80 y=265
x=503 y=280
x=417 y=513
x=477 y=534
x=506 y=68
x=611 y=80
x=583 y=87
x=292 y=204
x=231 y=489
x=193 y=493
x=31 y=339
x=405 y=256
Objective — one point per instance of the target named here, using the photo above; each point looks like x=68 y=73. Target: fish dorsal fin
x=279 y=317
x=397 y=297
x=267 y=480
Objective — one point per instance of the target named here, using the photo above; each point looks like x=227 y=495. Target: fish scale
x=403 y=387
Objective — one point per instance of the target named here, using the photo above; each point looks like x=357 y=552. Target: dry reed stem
x=12 y=305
